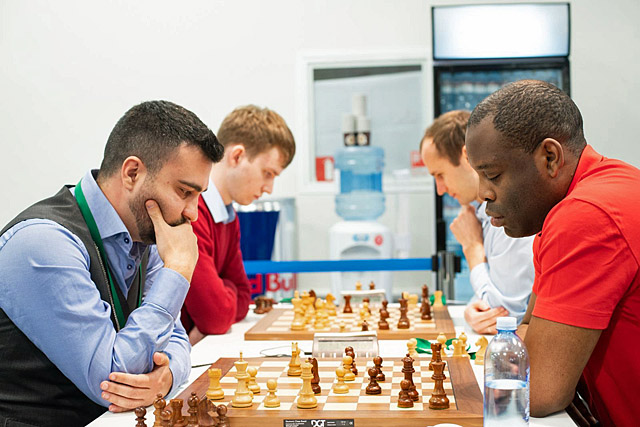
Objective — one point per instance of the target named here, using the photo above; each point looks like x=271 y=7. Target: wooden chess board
x=356 y=408
x=276 y=325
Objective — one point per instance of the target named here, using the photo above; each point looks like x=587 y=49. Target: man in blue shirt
x=93 y=278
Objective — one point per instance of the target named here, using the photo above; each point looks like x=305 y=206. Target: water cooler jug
x=360 y=202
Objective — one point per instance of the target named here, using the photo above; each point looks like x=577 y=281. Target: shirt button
x=126 y=240
x=129 y=267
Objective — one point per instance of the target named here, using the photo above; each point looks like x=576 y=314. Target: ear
x=463 y=154
x=236 y=152
x=132 y=172
x=551 y=157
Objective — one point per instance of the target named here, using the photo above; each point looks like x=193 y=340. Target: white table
x=232 y=343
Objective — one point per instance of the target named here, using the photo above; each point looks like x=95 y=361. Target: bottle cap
x=506 y=324
x=363 y=124
x=348 y=123
x=359 y=104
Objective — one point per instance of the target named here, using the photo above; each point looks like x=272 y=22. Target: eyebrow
x=485 y=166
x=192 y=185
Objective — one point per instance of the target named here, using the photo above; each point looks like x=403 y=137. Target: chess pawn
x=340 y=387
x=214 y=392
x=377 y=361
x=192 y=402
x=159 y=404
x=373 y=387
x=442 y=339
x=342 y=327
x=437 y=299
x=463 y=338
x=306 y=398
x=372 y=285
x=457 y=348
x=271 y=401
x=166 y=418
x=358 y=286
x=251 y=383
x=140 y=413
x=365 y=326
x=294 y=364
x=411 y=347
x=346 y=362
x=404 y=401
x=383 y=325
x=223 y=421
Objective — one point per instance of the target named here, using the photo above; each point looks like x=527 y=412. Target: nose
x=440 y=187
x=190 y=211
x=485 y=193
x=268 y=187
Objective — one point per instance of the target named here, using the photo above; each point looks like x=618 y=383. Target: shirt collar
x=219 y=211
x=107 y=219
x=588 y=158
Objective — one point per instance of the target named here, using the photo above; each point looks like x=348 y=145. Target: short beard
x=146 y=230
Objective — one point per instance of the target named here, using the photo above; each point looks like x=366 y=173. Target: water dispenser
x=360 y=202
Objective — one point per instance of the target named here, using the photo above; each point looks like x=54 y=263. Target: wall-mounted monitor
x=524 y=30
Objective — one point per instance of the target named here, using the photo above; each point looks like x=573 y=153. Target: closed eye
x=493 y=178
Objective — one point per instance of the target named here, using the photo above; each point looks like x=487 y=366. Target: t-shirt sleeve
x=584 y=266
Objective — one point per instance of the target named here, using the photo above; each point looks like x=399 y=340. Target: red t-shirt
x=220 y=292
x=587 y=274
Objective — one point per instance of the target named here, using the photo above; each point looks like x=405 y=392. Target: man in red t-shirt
x=258 y=146
x=539 y=176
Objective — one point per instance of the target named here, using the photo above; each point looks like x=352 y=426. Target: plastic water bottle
x=506 y=378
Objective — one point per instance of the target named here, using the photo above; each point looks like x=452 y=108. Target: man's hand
x=482 y=318
x=195 y=335
x=177 y=245
x=468 y=232
x=128 y=391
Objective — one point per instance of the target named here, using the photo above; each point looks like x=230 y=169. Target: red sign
x=324 y=168
x=378 y=240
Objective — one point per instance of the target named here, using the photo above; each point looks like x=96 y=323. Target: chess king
x=93 y=278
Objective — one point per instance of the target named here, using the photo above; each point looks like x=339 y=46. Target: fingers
x=480 y=305
x=160 y=359
x=155 y=213
x=132 y=380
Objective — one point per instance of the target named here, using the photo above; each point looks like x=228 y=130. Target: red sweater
x=220 y=292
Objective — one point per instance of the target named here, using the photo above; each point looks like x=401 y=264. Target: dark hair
x=528 y=111
x=152 y=131
x=258 y=130
x=448 y=133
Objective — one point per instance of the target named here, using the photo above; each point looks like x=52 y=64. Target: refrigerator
x=463 y=77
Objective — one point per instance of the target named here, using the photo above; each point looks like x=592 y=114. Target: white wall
x=70 y=68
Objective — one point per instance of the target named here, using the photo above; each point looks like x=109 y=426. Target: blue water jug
x=360 y=196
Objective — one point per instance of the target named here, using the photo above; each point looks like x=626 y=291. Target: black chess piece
x=372 y=285
x=439 y=399
x=404 y=401
x=365 y=326
x=347 y=304
x=373 y=387
x=350 y=352
x=377 y=361
x=140 y=413
x=408 y=370
x=223 y=421
x=207 y=415
x=383 y=325
x=315 y=381
x=403 y=322
x=192 y=402
x=383 y=311
x=166 y=416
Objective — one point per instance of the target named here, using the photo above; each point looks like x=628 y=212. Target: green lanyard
x=95 y=234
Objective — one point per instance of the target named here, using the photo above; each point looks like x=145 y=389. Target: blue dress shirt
x=47 y=291
x=506 y=279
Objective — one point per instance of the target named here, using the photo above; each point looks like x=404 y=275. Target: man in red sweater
x=258 y=146
x=539 y=176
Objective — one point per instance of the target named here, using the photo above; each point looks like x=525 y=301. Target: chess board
x=276 y=325
x=357 y=408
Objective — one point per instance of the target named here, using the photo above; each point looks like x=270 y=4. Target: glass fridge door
x=462 y=88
